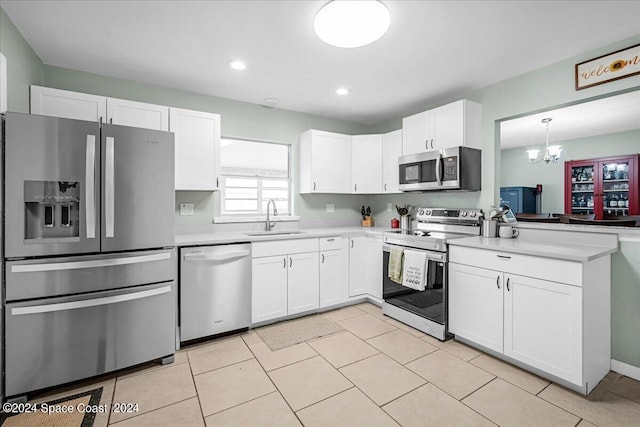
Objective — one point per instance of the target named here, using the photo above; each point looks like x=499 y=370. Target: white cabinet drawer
x=283 y=247
x=525 y=265
x=330 y=243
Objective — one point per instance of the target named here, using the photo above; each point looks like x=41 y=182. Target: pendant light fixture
x=551 y=153
x=349 y=24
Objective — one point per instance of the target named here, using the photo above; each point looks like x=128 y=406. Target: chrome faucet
x=275 y=213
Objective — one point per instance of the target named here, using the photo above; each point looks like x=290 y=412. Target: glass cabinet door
x=582 y=188
x=615 y=188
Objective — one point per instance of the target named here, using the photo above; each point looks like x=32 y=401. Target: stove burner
x=421 y=233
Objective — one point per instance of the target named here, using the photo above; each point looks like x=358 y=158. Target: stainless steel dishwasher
x=215 y=290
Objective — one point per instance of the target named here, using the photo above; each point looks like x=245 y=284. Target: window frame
x=246 y=217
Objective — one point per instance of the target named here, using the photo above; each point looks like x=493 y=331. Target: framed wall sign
x=612 y=66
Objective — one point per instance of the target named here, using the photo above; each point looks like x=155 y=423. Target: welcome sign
x=613 y=66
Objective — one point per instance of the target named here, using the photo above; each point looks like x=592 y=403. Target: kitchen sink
x=273 y=233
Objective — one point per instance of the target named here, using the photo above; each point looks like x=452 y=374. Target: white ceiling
x=433 y=51
x=604 y=116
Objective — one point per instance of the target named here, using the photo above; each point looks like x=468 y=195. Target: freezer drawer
x=58 y=340
x=47 y=277
x=215 y=290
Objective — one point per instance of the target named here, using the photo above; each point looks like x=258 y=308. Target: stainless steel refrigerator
x=89 y=262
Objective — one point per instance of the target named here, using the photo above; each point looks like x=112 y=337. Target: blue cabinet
x=519 y=199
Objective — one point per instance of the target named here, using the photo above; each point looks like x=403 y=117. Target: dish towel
x=395 y=265
x=414 y=270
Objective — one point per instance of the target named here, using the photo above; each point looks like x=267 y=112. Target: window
x=252 y=174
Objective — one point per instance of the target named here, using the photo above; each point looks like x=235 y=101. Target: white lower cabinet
x=303 y=283
x=374 y=267
x=269 y=288
x=543 y=325
x=285 y=278
x=365 y=266
x=357 y=266
x=561 y=330
x=476 y=305
x=334 y=277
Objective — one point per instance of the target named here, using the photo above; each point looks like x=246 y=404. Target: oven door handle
x=431 y=256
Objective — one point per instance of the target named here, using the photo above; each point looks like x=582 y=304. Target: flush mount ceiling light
x=348 y=24
x=342 y=91
x=551 y=153
x=270 y=102
x=237 y=65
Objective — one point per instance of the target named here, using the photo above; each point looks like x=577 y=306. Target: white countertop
x=196 y=239
x=547 y=249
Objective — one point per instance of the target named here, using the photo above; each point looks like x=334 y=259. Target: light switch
x=186 y=209
x=389 y=207
x=331 y=208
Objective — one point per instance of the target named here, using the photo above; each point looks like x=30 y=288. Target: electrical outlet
x=389 y=207
x=186 y=209
x=331 y=208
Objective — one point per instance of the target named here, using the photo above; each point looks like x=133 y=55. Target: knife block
x=367 y=221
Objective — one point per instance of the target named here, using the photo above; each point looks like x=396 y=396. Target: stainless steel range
x=426 y=309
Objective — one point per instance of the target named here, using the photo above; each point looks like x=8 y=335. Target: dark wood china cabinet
x=606 y=187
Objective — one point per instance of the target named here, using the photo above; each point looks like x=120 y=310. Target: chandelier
x=551 y=153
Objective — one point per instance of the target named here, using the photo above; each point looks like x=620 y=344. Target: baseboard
x=625 y=369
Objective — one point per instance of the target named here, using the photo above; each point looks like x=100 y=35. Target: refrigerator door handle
x=76 y=265
x=108 y=187
x=64 y=306
x=90 y=182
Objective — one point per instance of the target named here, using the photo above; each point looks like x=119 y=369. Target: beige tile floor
x=377 y=372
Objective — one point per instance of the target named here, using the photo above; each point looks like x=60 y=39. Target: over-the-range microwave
x=457 y=168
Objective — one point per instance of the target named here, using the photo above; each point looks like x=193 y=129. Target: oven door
x=431 y=303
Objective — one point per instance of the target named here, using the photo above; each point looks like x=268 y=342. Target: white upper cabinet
x=416 y=133
x=137 y=114
x=325 y=162
x=391 y=150
x=366 y=164
x=197 y=148
x=47 y=101
x=452 y=125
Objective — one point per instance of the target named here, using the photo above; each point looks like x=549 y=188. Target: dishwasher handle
x=215 y=257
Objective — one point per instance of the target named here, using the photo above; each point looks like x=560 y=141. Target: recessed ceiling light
x=237 y=65
x=342 y=91
x=348 y=23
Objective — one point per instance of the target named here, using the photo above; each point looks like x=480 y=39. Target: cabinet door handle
x=314 y=185
x=508 y=278
x=100 y=119
x=432 y=143
x=355 y=187
x=290 y=262
x=111 y=121
x=323 y=258
x=217 y=182
x=385 y=186
x=503 y=257
x=284 y=262
x=331 y=240
x=426 y=144
x=498 y=282
x=352 y=243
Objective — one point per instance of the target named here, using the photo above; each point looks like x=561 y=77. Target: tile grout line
x=155 y=410
x=509 y=382
x=193 y=379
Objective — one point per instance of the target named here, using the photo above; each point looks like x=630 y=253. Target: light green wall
x=518 y=171
x=24 y=67
x=240 y=120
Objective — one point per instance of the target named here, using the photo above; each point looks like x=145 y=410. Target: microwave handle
x=439 y=169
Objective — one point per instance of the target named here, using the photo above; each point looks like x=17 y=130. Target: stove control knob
x=463 y=214
x=427 y=213
x=421 y=212
x=473 y=214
